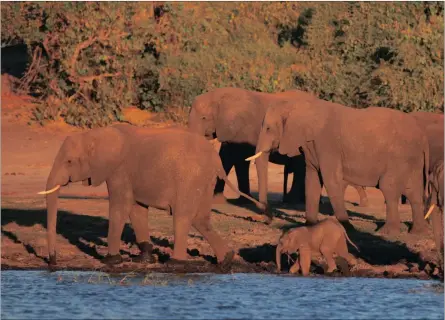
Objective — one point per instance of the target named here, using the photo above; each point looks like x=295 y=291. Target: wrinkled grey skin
x=168 y=169
x=234 y=117
x=375 y=147
x=327 y=237
x=436 y=186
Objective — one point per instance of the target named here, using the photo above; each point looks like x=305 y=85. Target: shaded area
x=81 y=230
x=325 y=208
x=85 y=232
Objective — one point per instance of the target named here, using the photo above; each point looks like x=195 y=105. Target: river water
x=89 y=295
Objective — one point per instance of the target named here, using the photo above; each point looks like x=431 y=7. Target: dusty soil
x=28 y=151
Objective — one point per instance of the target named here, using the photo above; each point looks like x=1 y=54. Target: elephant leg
x=403 y=199
x=226 y=153
x=297 y=192
x=295 y=267
x=327 y=252
x=116 y=222
x=438 y=232
x=415 y=198
x=181 y=223
x=262 y=164
x=342 y=251
x=392 y=196
x=285 y=178
x=313 y=192
x=305 y=260
x=243 y=151
x=139 y=222
x=362 y=194
x=335 y=191
x=202 y=223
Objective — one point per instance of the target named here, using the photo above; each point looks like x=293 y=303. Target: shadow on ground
x=373 y=249
x=277 y=206
x=80 y=231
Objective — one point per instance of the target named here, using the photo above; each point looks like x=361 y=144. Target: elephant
x=327 y=237
x=435 y=202
x=234 y=117
x=433 y=125
x=376 y=147
x=298 y=168
x=170 y=169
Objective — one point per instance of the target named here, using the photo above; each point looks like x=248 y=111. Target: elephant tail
x=222 y=175
x=349 y=240
x=259 y=204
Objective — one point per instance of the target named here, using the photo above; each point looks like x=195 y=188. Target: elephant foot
x=177 y=262
x=112 y=259
x=52 y=261
x=226 y=263
x=332 y=271
x=269 y=214
x=390 y=229
x=419 y=228
x=145 y=256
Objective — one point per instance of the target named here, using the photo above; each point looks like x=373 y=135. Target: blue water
x=83 y=295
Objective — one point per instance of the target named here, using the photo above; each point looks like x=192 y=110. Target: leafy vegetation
x=91 y=59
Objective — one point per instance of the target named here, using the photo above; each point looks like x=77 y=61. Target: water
x=82 y=295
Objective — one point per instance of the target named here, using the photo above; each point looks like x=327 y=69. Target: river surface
x=92 y=295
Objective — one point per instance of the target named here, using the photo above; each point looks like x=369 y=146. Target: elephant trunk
x=278 y=256
x=56 y=178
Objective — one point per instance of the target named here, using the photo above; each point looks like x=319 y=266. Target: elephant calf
x=167 y=169
x=327 y=237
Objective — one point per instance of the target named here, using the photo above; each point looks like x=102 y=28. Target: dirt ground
x=28 y=151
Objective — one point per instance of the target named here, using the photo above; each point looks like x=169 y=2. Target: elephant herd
x=323 y=144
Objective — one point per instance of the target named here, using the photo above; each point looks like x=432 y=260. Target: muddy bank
x=394 y=272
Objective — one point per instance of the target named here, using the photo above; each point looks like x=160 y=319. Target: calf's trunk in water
x=278 y=257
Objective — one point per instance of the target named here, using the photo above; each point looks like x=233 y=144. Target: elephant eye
x=69 y=161
x=203 y=118
x=267 y=129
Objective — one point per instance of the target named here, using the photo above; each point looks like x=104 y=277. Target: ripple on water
x=83 y=295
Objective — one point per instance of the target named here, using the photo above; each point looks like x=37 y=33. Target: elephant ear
x=232 y=115
x=105 y=153
x=297 y=130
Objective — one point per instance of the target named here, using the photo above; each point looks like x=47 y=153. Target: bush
x=91 y=59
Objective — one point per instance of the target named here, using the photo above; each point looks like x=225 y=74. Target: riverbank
x=27 y=155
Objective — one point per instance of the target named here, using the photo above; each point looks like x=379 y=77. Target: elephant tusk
x=255 y=156
x=429 y=211
x=49 y=191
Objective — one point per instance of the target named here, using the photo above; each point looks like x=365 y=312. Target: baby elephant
x=327 y=236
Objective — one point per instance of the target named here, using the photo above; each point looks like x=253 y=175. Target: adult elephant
x=168 y=169
x=435 y=202
x=433 y=126
x=234 y=117
x=376 y=147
